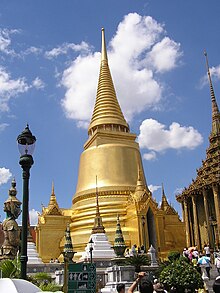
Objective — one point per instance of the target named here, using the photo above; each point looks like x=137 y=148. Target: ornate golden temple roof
x=165 y=206
x=107 y=110
x=209 y=172
x=141 y=189
x=53 y=207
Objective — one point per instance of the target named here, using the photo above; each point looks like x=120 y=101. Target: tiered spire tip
x=215 y=109
x=107 y=113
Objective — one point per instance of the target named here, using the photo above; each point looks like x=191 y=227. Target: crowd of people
x=202 y=261
x=134 y=250
x=146 y=286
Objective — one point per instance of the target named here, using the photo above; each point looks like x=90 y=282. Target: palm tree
x=137 y=261
x=10 y=268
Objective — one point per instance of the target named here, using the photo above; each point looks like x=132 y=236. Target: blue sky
x=49 y=54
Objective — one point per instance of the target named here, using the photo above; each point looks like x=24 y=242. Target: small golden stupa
x=112 y=154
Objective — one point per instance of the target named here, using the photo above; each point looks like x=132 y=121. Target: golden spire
x=164 y=203
x=53 y=207
x=140 y=184
x=98 y=226
x=53 y=200
x=104 y=51
x=215 y=110
x=107 y=110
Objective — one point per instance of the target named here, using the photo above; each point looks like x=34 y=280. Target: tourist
x=185 y=252
x=217 y=263
x=207 y=250
x=145 y=286
x=51 y=260
x=142 y=249
x=196 y=253
x=127 y=253
x=205 y=263
x=216 y=285
x=194 y=261
x=133 y=250
x=158 y=287
x=120 y=288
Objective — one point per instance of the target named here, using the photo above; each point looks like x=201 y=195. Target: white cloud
x=3 y=126
x=38 y=83
x=64 y=49
x=5 y=41
x=134 y=56
x=215 y=75
x=154 y=136
x=33 y=50
x=150 y=156
x=178 y=190
x=79 y=99
x=153 y=188
x=5 y=175
x=164 y=55
x=33 y=216
x=10 y=87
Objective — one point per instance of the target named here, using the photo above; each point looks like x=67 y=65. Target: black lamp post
x=26 y=143
x=144 y=234
x=91 y=249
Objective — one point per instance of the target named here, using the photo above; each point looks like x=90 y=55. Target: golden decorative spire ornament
x=164 y=203
x=215 y=110
x=53 y=207
x=98 y=226
x=107 y=112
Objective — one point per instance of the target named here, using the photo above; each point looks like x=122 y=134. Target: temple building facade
x=112 y=155
x=201 y=199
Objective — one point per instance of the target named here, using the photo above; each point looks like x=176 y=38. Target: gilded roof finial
x=165 y=206
x=104 y=51
x=164 y=203
x=215 y=110
x=53 y=207
x=52 y=188
x=98 y=226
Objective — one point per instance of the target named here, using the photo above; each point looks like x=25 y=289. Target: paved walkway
x=213 y=274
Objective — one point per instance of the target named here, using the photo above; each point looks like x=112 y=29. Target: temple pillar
x=196 y=224
x=217 y=211
x=206 y=207
x=186 y=218
x=183 y=213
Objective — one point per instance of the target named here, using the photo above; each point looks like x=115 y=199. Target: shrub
x=181 y=275
x=173 y=255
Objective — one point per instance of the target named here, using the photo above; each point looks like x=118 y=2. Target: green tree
x=181 y=275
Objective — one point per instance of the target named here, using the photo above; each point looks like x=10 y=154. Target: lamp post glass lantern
x=26 y=142
x=91 y=248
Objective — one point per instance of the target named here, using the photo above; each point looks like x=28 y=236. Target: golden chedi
x=112 y=154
